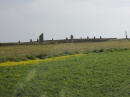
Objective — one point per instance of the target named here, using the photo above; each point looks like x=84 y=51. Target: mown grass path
x=104 y=74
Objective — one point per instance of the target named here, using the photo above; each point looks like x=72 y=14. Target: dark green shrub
x=76 y=52
x=86 y=52
x=41 y=56
x=101 y=50
x=30 y=57
x=110 y=50
x=67 y=53
x=126 y=49
x=12 y=59
x=95 y=51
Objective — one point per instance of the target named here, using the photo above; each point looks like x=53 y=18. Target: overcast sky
x=26 y=19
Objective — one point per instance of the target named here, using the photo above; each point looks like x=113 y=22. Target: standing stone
x=30 y=40
x=71 y=37
x=126 y=35
x=41 y=38
x=100 y=37
x=19 y=42
x=66 y=38
x=87 y=37
x=37 y=40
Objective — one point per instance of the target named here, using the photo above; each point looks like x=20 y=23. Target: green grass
x=105 y=74
x=27 y=52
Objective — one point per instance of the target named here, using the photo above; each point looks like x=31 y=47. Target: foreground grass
x=92 y=75
x=27 y=52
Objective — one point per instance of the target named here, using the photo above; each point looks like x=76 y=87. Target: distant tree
x=94 y=37
x=52 y=39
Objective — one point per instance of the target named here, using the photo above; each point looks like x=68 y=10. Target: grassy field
x=27 y=52
x=105 y=74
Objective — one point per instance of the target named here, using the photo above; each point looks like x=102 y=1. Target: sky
x=58 y=19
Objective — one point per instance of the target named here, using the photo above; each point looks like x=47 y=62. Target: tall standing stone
x=19 y=42
x=81 y=38
x=71 y=37
x=37 y=40
x=87 y=37
x=31 y=41
x=126 y=35
x=41 y=38
x=100 y=37
x=66 y=38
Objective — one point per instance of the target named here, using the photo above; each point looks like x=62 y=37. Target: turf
x=105 y=74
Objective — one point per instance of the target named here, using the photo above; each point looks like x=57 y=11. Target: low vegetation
x=101 y=74
x=97 y=69
x=30 y=52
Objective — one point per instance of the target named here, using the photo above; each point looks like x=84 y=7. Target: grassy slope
x=92 y=75
x=23 y=52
